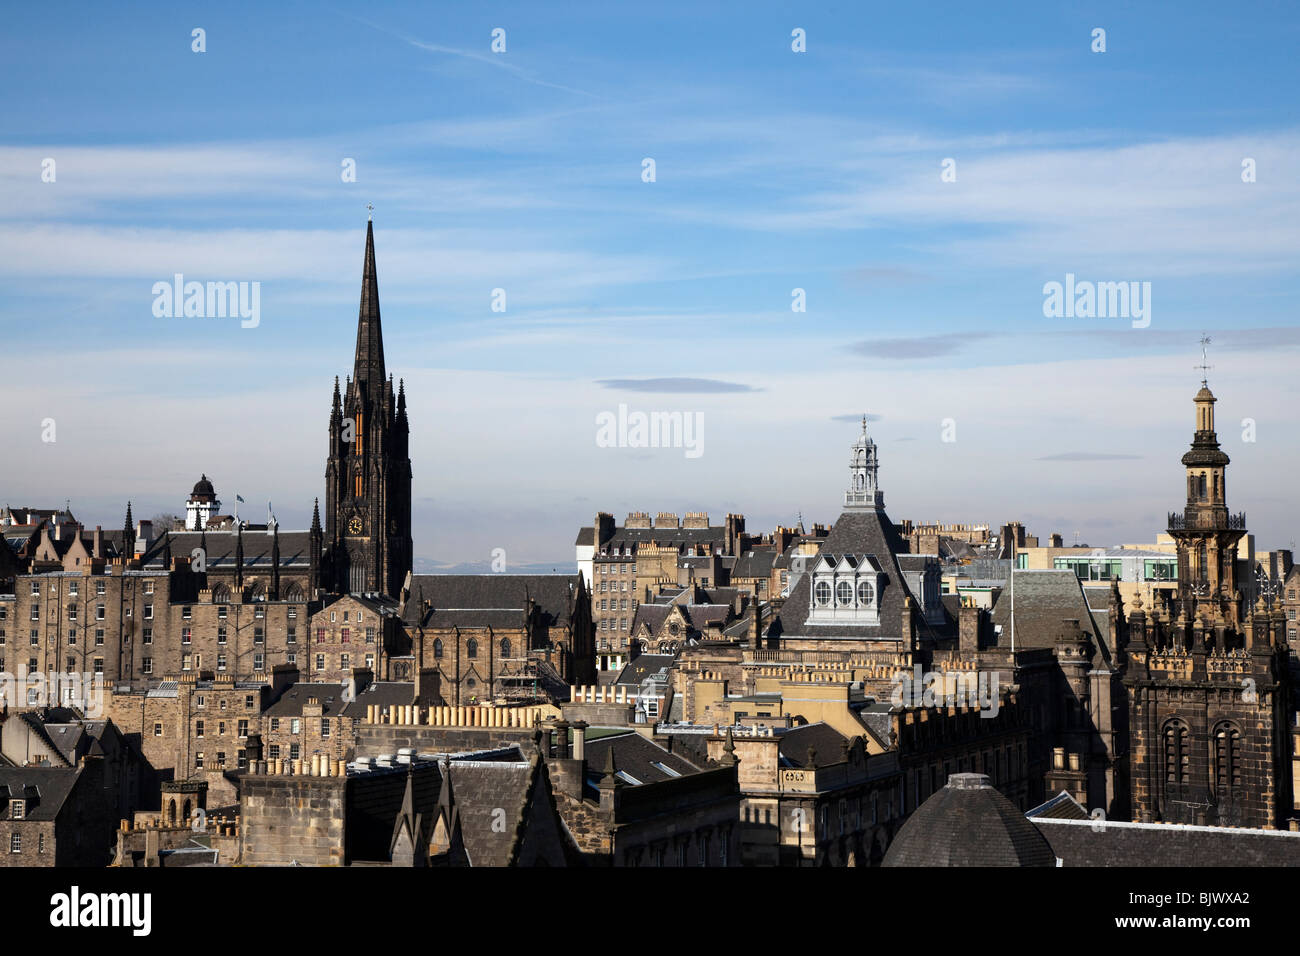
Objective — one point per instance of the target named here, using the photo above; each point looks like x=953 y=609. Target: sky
x=920 y=171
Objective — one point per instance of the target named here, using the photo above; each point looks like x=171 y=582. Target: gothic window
x=1216 y=486
x=866 y=593
x=1226 y=744
x=823 y=593
x=437 y=647
x=505 y=647
x=844 y=593
x=1177 y=757
x=471 y=648
x=1202 y=562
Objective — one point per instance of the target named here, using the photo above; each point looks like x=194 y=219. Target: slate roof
x=45 y=789
x=1042 y=600
x=856 y=532
x=755 y=564
x=383 y=694
x=635 y=756
x=644 y=667
x=969 y=823
x=825 y=739
x=1060 y=807
x=454 y=596
x=295 y=549
x=292 y=701
x=479 y=788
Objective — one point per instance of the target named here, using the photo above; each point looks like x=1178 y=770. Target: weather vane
x=371 y=214
x=1204 y=366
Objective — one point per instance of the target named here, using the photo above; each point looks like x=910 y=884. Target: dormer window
x=822 y=593
x=17 y=809
x=844 y=593
x=866 y=593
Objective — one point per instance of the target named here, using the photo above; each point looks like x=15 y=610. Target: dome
x=203 y=489
x=969 y=823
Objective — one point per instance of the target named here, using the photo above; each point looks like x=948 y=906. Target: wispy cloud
x=687 y=386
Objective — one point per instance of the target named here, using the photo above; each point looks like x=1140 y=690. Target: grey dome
x=969 y=823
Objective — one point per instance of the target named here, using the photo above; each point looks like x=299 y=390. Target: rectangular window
x=221 y=612
x=242 y=728
x=185 y=662
x=325 y=728
x=347 y=635
x=292 y=637
x=187 y=635
x=293 y=614
x=36 y=612
x=72 y=612
x=221 y=759
x=345 y=661
x=259 y=634
x=72 y=637
x=221 y=662
x=148 y=635
x=186 y=613
x=99 y=665
x=16 y=809
x=320 y=635
x=370 y=635
x=148 y=587
x=148 y=612
x=36 y=589
x=147 y=665
x=241 y=759
x=273 y=752
x=275 y=723
x=259 y=661
x=295 y=726
x=15 y=843
x=259 y=612
x=248 y=702
x=294 y=750
x=99 y=637
x=221 y=635
x=320 y=662
x=157 y=730
x=198 y=728
x=99 y=612
x=100 y=588
x=198 y=761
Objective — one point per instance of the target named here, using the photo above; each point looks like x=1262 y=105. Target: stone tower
x=368 y=473
x=1208 y=686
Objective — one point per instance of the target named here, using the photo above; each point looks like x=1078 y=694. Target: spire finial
x=1204 y=366
x=370 y=212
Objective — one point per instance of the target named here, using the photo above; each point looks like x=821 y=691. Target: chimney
x=968 y=629
x=99 y=542
x=562 y=739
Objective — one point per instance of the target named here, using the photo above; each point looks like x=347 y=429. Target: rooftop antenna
x=1204 y=366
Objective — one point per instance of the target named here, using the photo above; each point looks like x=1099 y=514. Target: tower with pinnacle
x=367 y=534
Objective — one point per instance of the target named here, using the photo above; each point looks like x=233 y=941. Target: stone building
x=57 y=816
x=508 y=636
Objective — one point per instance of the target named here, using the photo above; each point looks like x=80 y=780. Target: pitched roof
x=823 y=738
x=294 y=698
x=855 y=533
x=639 y=760
x=45 y=789
x=457 y=597
x=1042 y=601
x=221 y=547
x=483 y=789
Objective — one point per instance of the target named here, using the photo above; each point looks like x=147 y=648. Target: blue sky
x=775 y=170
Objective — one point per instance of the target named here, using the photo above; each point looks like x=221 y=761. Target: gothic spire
x=369 y=366
x=315 y=517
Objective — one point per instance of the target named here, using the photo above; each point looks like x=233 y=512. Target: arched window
x=1226 y=746
x=221 y=594
x=1177 y=757
x=505 y=647
x=1203 y=563
x=844 y=593
x=471 y=648
x=822 y=592
x=293 y=594
x=866 y=593
x=437 y=647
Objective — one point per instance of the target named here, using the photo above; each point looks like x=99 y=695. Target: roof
x=825 y=740
x=855 y=533
x=637 y=760
x=1042 y=601
x=481 y=791
x=221 y=547
x=45 y=788
x=383 y=694
x=457 y=598
x=294 y=698
x=1060 y=807
x=969 y=823
x=644 y=667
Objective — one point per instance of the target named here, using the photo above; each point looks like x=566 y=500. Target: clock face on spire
x=354 y=524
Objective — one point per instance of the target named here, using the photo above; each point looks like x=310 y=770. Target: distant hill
x=427 y=566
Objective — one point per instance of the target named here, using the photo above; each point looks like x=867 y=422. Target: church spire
x=369 y=365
